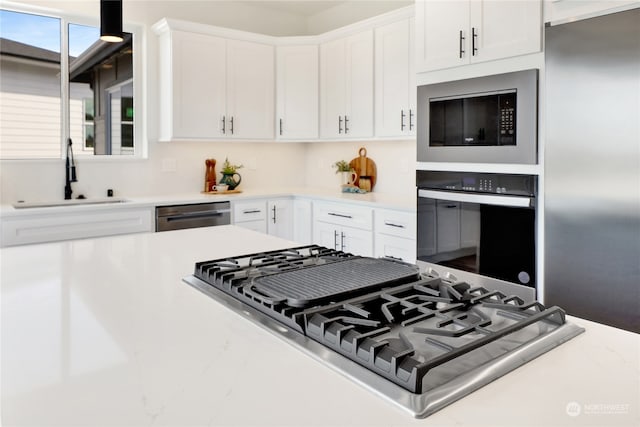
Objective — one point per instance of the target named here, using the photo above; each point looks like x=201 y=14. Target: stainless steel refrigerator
x=592 y=168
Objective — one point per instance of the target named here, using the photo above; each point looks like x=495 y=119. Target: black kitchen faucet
x=70 y=171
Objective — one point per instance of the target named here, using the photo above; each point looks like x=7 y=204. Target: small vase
x=228 y=178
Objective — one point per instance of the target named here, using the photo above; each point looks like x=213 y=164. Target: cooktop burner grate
x=419 y=331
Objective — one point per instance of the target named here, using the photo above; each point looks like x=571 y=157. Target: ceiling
x=300 y=7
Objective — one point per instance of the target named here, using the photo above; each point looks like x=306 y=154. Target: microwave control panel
x=507 y=118
x=471 y=182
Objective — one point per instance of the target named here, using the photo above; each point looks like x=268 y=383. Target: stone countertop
x=373 y=199
x=104 y=332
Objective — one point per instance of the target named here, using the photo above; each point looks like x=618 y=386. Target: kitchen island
x=104 y=332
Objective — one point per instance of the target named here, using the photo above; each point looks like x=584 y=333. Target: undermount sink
x=72 y=202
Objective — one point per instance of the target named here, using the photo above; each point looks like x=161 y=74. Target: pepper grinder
x=210 y=175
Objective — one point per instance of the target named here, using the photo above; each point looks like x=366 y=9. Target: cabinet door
x=302 y=226
x=198 y=92
x=327 y=235
x=297 y=92
x=259 y=226
x=332 y=88
x=359 y=85
x=395 y=247
x=280 y=218
x=392 y=72
x=448 y=226
x=438 y=40
x=504 y=28
x=356 y=241
x=250 y=89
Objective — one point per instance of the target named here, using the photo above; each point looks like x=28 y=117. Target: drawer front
x=345 y=215
x=395 y=223
x=395 y=247
x=250 y=211
x=76 y=225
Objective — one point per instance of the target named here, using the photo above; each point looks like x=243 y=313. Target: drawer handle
x=390 y=224
x=252 y=211
x=340 y=215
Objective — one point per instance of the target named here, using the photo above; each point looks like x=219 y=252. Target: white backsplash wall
x=395 y=164
x=172 y=168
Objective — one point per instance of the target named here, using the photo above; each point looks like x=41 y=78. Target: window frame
x=140 y=145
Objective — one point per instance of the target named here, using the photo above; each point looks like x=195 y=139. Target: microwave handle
x=484 y=199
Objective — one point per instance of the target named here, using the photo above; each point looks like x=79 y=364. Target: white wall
x=395 y=163
x=273 y=164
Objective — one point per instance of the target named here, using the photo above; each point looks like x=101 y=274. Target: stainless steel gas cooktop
x=419 y=340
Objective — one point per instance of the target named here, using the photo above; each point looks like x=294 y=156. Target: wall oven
x=490 y=119
x=479 y=227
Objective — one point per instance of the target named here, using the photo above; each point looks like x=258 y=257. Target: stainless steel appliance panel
x=479 y=227
x=467 y=103
x=192 y=216
x=592 y=169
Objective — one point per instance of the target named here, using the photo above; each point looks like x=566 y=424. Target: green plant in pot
x=229 y=172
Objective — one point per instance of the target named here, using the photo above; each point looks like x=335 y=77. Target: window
x=30 y=87
x=88 y=134
x=38 y=90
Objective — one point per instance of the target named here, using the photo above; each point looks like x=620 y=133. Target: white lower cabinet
x=343 y=227
x=302 y=221
x=347 y=239
x=250 y=214
x=280 y=218
x=82 y=223
x=395 y=234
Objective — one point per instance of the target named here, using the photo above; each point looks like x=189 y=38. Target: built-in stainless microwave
x=490 y=119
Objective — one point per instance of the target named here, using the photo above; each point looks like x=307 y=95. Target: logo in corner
x=573 y=409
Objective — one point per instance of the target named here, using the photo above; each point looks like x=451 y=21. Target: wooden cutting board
x=364 y=167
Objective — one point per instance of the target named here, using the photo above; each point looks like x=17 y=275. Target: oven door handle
x=484 y=199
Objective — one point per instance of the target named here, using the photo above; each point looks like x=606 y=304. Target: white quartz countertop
x=104 y=332
x=373 y=199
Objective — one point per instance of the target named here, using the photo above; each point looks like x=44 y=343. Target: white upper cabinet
x=346 y=86
x=395 y=87
x=250 y=89
x=213 y=87
x=192 y=91
x=297 y=92
x=459 y=32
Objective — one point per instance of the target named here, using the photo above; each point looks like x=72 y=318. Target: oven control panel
x=471 y=182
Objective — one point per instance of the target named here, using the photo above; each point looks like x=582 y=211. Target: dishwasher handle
x=194 y=215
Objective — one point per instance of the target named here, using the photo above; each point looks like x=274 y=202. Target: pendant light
x=111 y=20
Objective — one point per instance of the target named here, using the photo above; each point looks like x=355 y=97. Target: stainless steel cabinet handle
x=451 y=206
x=335 y=239
x=461 y=44
x=402 y=116
x=251 y=211
x=474 y=37
x=280 y=126
x=390 y=224
x=340 y=215
x=231 y=125
x=346 y=125
x=410 y=119
x=224 y=129
x=274 y=214
x=341 y=241
x=339 y=124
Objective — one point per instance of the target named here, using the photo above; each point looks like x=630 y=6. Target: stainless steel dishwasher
x=177 y=217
